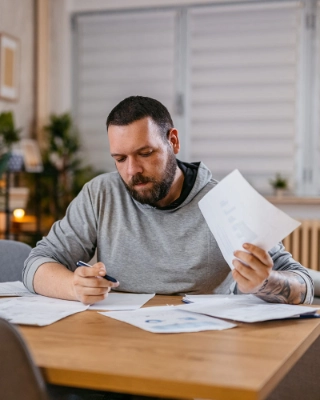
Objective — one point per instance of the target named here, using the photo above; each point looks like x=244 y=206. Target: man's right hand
x=89 y=285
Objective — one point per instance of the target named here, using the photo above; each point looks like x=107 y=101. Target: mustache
x=137 y=179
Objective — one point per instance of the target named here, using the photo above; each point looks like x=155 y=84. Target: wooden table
x=89 y=350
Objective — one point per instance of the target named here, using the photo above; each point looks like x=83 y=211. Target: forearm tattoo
x=283 y=287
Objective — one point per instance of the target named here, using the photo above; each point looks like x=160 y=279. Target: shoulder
x=104 y=186
x=103 y=181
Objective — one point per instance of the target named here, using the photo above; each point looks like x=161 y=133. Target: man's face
x=146 y=164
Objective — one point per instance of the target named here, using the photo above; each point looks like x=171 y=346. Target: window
x=241 y=82
x=118 y=55
x=244 y=89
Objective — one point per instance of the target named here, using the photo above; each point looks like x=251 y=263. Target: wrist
x=72 y=293
x=266 y=282
x=262 y=287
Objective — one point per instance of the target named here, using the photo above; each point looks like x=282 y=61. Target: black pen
x=107 y=277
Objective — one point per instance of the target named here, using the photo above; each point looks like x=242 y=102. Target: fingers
x=242 y=282
x=83 y=276
x=252 y=267
x=255 y=259
x=97 y=269
x=88 y=285
x=95 y=291
x=88 y=300
x=259 y=253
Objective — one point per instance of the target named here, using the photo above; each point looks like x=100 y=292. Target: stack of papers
x=200 y=314
x=33 y=309
x=187 y=317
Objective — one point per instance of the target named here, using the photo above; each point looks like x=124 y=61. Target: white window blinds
x=118 y=55
x=243 y=78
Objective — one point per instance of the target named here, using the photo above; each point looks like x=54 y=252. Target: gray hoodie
x=148 y=250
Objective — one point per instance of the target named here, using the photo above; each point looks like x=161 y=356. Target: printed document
x=236 y=214
x=168 y=319
x=246 y=308
x=199 y=298
x=122 y=301
x=16 y=288
x=38 y=310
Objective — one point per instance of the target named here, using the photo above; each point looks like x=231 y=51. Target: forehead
x=127 y=138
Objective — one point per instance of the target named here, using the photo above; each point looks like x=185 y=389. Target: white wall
x=17 y=19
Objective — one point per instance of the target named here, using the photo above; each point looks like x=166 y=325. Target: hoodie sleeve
x=283 y=261
x=67 y=241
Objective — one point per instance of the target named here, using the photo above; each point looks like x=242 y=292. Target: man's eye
x=146 y=154
x=120 y=160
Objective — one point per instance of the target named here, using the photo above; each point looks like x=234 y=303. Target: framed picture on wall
x=9 y=67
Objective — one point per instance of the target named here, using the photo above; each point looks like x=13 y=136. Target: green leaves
x=63 y=138
x=8 y=133
x=279 y=182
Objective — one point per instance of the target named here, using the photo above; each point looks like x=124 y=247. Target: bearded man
x=149 y=233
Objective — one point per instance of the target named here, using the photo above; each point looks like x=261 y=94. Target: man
x=147 y=227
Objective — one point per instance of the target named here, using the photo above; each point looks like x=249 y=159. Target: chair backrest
x=20 y=379
x=12 y=257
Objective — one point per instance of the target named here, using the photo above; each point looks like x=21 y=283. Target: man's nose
x=133 y=167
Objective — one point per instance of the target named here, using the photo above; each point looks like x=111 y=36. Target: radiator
x=304 y=244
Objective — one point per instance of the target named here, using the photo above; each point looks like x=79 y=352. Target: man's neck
x=175 y=190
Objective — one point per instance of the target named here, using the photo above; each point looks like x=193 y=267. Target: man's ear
x=173 y=139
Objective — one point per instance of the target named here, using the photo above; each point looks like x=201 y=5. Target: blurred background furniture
x=20 y=379
x=13 y=255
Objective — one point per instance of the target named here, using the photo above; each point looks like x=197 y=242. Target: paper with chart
x=246 y=308
x=236 y=213
x=15 y=288
x=168 y=319
x=122 y=301
x=38 y=310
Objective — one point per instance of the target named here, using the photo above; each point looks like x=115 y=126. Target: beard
x=159 y=189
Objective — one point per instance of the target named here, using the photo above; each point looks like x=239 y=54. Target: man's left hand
x=252 y=268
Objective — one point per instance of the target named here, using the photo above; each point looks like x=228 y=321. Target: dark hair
x=134 y=108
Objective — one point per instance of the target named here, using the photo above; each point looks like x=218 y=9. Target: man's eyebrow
x=136 y=151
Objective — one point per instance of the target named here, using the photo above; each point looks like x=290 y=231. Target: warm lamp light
x=18 y=213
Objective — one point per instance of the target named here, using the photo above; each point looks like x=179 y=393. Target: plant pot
x=279 y=192
x=4 y=159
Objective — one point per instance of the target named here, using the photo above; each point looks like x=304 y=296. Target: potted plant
x=279 y=184
x=63 y=173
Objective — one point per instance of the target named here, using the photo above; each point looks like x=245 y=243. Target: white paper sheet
x=16 y=288
x=199 y=298
x=246 y=308
x=168 y=319
x=38 y=310
x=122 y=301
x=236 y=213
